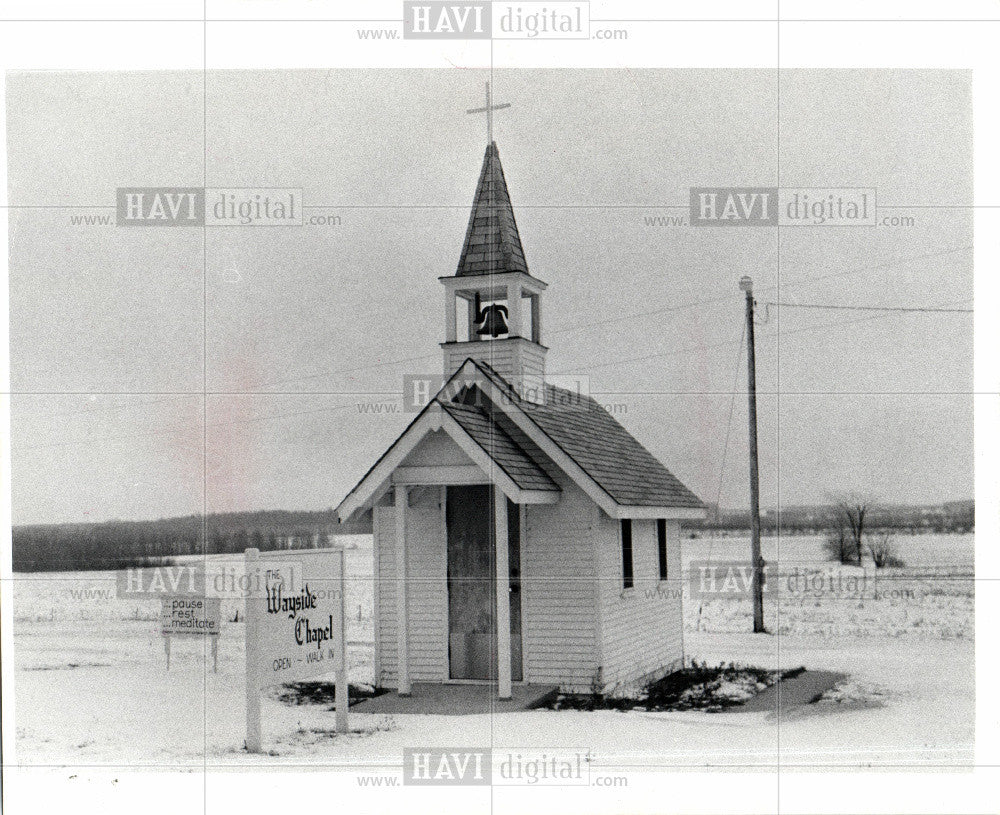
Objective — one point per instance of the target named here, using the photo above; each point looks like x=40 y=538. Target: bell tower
x=493 y=305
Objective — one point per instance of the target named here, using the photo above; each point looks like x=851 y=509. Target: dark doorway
x=471 y=585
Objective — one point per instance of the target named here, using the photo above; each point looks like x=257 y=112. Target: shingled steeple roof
x=492 y=243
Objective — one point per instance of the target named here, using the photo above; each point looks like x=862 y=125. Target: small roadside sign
x=187 y=616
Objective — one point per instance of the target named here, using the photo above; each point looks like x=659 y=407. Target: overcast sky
x=118 y=333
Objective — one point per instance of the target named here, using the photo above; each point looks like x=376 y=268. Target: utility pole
x=746 y=285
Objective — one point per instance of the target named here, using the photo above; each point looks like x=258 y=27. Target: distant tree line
x=129 y=544
x=958 y=516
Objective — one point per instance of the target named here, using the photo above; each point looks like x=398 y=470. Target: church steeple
x=502 y=320
x=492 y=242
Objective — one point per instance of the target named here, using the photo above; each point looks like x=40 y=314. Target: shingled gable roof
x=509 y=456
x=623 y=470
x=600 y=446
x=492 y=243
x=496 y=449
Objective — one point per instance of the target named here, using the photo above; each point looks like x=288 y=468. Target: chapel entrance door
x=472 y=587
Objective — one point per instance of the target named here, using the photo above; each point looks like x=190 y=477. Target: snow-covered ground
x=91 y=684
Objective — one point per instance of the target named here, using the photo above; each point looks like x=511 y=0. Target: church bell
x=491 y=320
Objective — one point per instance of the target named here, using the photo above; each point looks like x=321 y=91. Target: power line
x=114 y=408
x=693 y=348
x=187 y=429
x=370 y=367
x=588 y=324
x=914 y=309
x=725 y=296
x=725 y=453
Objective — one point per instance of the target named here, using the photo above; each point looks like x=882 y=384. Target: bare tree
x=851 y=510
x=839 y=547
x=883 y=552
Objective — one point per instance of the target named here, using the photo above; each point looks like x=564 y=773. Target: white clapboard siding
x=428 y=597
x=641 y=628
x=427 y=601
x=502 y=357
x=532 y=360
x=558 y=595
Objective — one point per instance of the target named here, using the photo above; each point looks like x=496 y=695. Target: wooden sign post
x=342 y=690
x=250 y=618
x=295 y=626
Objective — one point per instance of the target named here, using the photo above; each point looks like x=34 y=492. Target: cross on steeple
x=488 y=110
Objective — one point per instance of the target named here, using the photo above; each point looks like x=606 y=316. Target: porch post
x=514 y=309
x=503 y=594
x=450 y=323
x=402 y=622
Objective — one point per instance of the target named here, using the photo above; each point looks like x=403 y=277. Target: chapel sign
x=294 y=627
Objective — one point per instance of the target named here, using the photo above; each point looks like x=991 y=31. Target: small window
x=627 y=578
x=661 y=546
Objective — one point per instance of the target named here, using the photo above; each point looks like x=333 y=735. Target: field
x=91 y=684
x=932 y=596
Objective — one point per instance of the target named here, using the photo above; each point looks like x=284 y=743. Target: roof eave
x=605 y=500
x=528 y=281
x=637 y=513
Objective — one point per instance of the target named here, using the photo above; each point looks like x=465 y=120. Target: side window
x=661 y=547
x=627 y=577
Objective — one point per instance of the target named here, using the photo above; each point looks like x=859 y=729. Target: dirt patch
x=806 y=688
x=698 y=687
x=322 y=693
